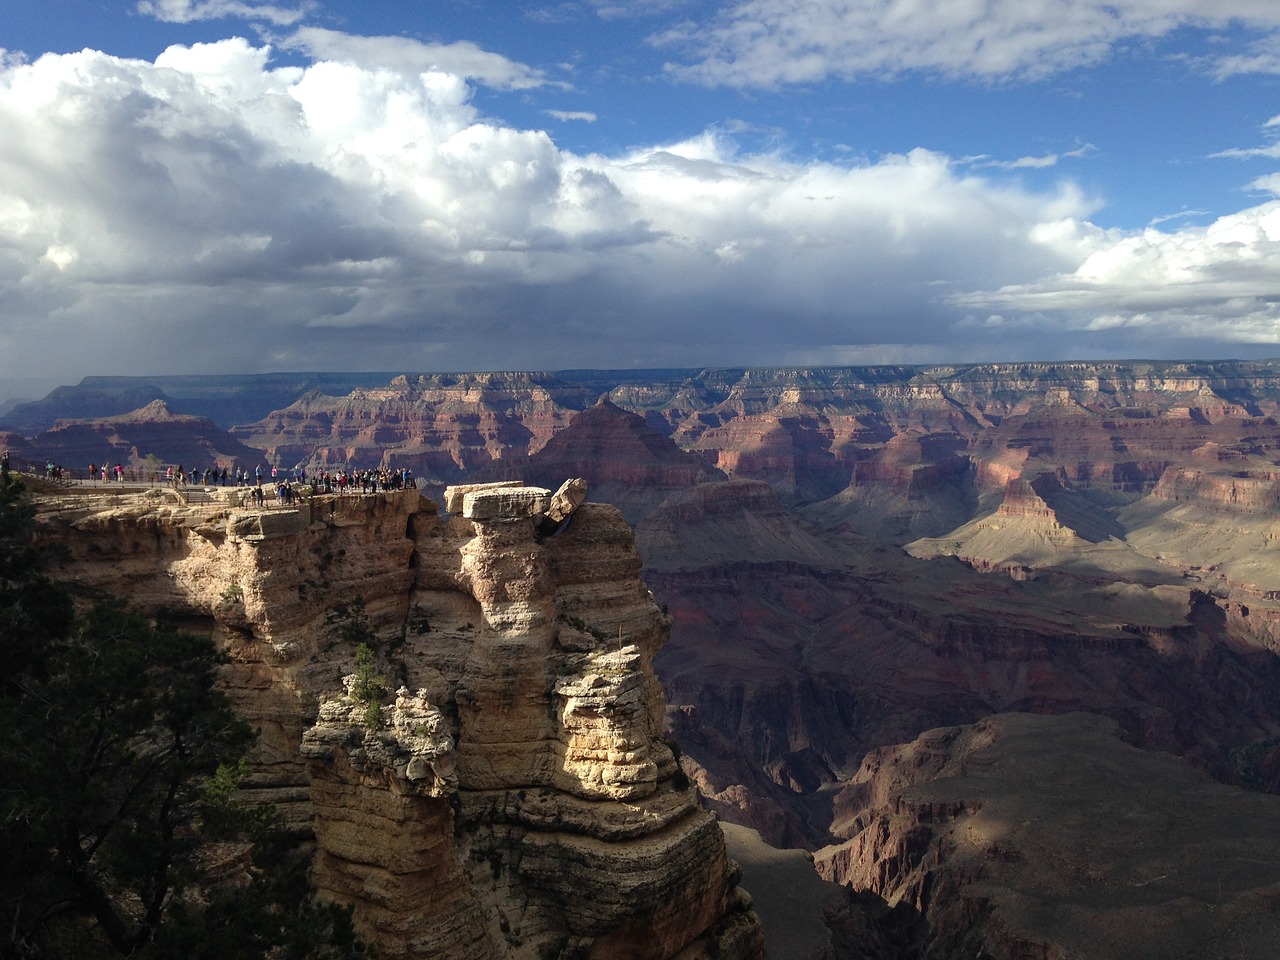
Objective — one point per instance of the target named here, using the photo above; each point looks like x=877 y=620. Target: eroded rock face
x=791 y=658
x=625 y=460
x=1024 y=837
x=128 y=438
x=516 y=799
x=1095 y=537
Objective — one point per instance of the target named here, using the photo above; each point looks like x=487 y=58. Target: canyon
x=850 y=560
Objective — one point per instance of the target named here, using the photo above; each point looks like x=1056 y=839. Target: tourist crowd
x=288 y=484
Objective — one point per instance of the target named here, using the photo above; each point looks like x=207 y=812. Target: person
x=93 y=473
x=119 y=473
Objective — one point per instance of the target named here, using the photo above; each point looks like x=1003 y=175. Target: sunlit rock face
x=624 y=459
x=515 y=798
x=441 y=426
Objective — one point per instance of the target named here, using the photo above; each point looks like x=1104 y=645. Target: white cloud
x=1262 y=56
x=209 y=211
x=635 y=9
x=1216 y=283
x=769 y=43
x=407 y=56
x=1041 y=162
x=1272 y=129
x=186 y=11
x=569 y=115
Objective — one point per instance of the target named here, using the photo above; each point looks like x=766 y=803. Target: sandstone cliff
x=515 y=798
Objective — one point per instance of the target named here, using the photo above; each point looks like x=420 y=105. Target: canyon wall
x=1042 y=838
x=849 y=557
x=515 y=797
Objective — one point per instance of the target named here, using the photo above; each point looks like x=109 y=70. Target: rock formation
x=129 y=438
x=442 y=427
x=1024 y=837
x=896 y=549
x=624 y=459
x=515 y=799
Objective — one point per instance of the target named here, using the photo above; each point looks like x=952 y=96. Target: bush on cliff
x=115 y=748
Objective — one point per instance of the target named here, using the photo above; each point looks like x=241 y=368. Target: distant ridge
x=233 y=400
x=224 y=399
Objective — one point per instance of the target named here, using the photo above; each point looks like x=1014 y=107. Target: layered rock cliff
x=897 y=549
x=515 y=798
x=130 y=438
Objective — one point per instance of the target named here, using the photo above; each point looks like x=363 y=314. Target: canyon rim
x=884 y=566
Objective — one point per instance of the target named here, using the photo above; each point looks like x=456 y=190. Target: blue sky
x=226 y=185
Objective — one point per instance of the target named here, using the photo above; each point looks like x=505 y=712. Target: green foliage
x=33 y=608
x=105 y=751
x=222 y=814
x=579 y=624
x=352 y=626
x=121 y=762
x=369 y=687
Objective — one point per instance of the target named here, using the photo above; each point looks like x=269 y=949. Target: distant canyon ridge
x=862 y=567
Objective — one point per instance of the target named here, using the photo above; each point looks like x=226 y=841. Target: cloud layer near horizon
x=209 y=211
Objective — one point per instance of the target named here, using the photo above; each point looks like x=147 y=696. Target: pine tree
x=115 y=746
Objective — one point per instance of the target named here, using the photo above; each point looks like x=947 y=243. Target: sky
x=231 y=186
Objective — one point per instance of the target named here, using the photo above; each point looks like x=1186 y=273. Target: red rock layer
x=128 y=439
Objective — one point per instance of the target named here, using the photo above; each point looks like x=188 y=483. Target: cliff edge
x=514 y=798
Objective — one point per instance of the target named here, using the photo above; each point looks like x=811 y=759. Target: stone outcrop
x=516 y=798
x=1041 y=838
x=623 y=458
x=793 y=654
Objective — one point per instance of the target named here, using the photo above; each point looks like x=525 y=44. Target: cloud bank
x=769 y=43
x=210 y=211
